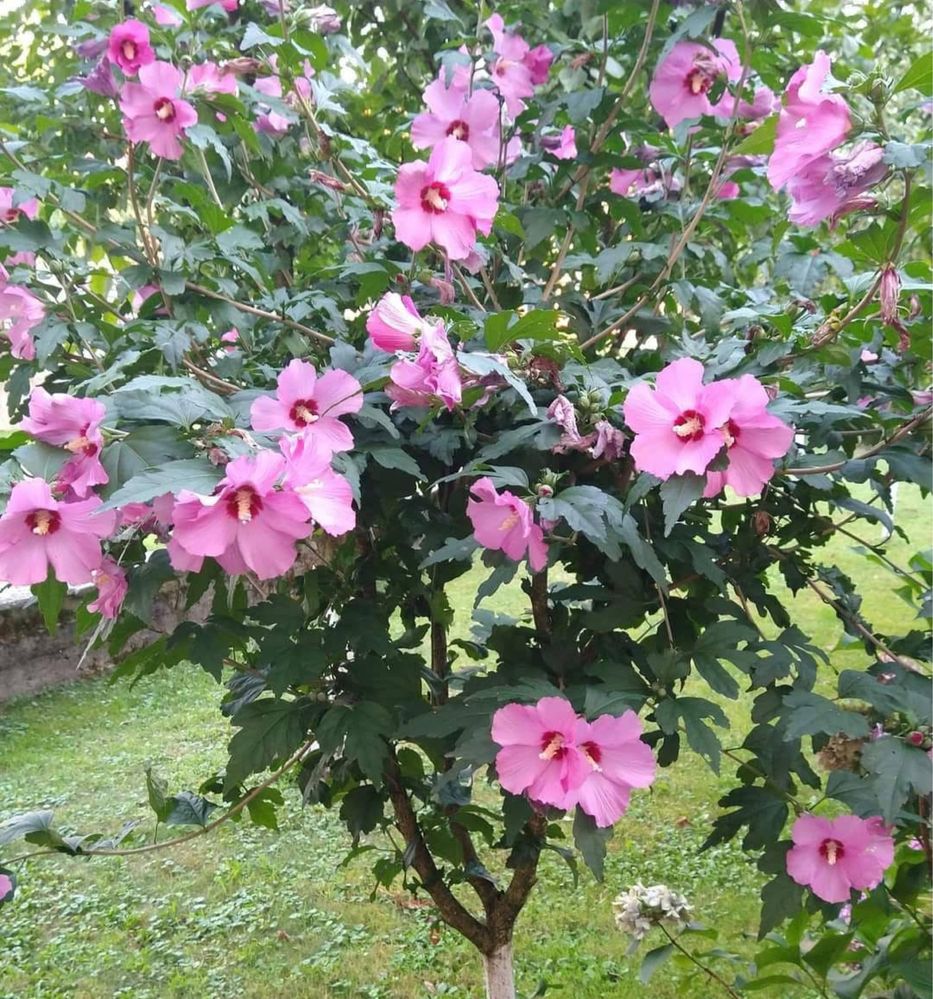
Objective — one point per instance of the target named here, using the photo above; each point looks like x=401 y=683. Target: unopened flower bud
x=242 y=65
x=889 y=293
x=916 y=738
x=544 y=491
x=445 y=290
x=217 y=456
x=326 y=180
x=324 y=19
x=761 y=523
x=878 y=91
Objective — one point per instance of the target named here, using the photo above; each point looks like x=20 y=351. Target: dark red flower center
x=702 y=75
x=832 y=851
x=593 y=753
x=243 y=504
x=459 y=130
x=552 y=746
x=689 y=425
x=164 y=109
x=81 y=444
x=11 y=215
x=730 y=433
x=128 y=48
x=304 y=412
x=435 y=197
x=43 y=522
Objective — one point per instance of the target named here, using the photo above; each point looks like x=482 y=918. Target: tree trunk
x=500 y=978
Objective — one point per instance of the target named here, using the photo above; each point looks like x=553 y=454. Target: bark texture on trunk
x=500 y=978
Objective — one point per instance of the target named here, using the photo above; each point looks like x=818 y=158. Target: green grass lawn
x=249 y=912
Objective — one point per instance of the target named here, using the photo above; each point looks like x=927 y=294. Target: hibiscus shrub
x=640 y=325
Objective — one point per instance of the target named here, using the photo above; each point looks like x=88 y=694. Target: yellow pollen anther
x=435 y=200
x=509 y=522
x=244 y=505
x=696 y=84
x=689 y=427
x=42 y=519
x=165 y=111
x=592 y=762
x=305 y=414
x=832 y=849
x=77 y=444
x=552 y=748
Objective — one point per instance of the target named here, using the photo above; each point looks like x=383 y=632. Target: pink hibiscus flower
x=557 y=758
x=209 y=78
x=833 y=856
x=74 y=424
x=504 y=522
x=247 y=523
x=227 y=5
x=166 y=17
x=153 y=110
x=6 y=887
x=539 y=756
x=617 y=761
x=37 y=530
x=564 y=146
x=10 y=213
x=433 y=376
x=128 y=46
x=753 y=438
x=810 y=124
x=684 y=78
x=110 y=581
x=836 y=184
x=20 y=313
x=470 y=119
x=677 y=424
x=518 y=68
x=311 y=405
x=395 y=323
x=326 y=494
x=444 y=200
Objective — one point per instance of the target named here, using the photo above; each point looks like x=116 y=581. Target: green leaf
x=157 y=792
x=808 y=713
x=761 y=141
x=142 y=450
x=677 y=493
x=781 y=898
x=539 y=324
x=591 y=841
x=692 y=711
x=362 y=810
x=918 y=77
x=12 y=439
x=652 y=961
x=898 y=771
x=362 y=730
x=196 y=474
x=642 y=552
x=483 y=364
x=395 y=457
x=270 y=731
x=50 y=596
x=262 y=808
x=188 y=809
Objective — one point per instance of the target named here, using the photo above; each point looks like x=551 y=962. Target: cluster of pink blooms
x=604 y=441
x=823 y=183
x=835 y=856
x=428 y=372
x=263 y=505
x=682 y=424
x=682 y=82
x=557 y=758
x=20 y=310
x=447 y=200
x=268 y=501
x=155 y=109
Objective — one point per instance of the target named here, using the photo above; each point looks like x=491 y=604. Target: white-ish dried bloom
x=640 y=908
